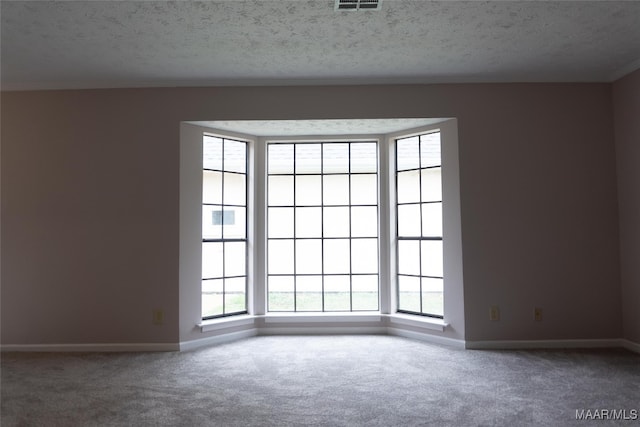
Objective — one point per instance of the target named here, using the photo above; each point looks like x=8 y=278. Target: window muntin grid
x=419 y=225
x=224 y=227
x=322 y=226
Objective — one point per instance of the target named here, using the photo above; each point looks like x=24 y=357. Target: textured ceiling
x=318 y=127
x=87 y=44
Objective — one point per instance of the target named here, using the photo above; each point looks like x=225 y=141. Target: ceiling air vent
x=358 y=4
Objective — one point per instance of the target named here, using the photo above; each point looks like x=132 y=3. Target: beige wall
x=90 y=203
x=626 y=101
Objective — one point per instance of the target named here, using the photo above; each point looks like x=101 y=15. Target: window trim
x=453 y=290
x=396 y=205
x=222 y=239
x=190 y=237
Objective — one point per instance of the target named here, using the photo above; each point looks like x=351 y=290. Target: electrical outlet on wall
x=494 y=313
x=537 y=314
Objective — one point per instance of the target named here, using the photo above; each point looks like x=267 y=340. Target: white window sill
x=418 y=321
x=398 y=319
x=322 y=317
x=226 y=322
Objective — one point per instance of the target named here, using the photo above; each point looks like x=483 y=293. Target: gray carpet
x=318 y=381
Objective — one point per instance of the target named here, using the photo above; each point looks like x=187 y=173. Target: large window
x=322 y=226
x=327 y=225
x=419 y=225
x=224 y=227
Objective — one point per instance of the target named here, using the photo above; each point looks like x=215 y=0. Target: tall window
x=322 y=226
x=419 y=227
x=224 y=227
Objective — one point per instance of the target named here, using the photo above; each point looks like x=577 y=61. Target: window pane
x=432 y=185
x=365 y=292
x=281 y=293
x=211 y=260
x=280 y=257
x=235 y=156
x=364 y=157
x=308 y=158
x=335 y=158
x=211 y=229
x=409 y=293
x=364 y=256
x=322 y=238
x=308 y=190
x=409 y=257
x=212 y=297
x=211 y=187
x=420 y=216
x=336 y=222
x=309 y=256
x=409 y=220
x=432 y=258
x=280 y=222
x=364 y=189
x=335 y=190
x=432 y=296
x=212 y=152
x=430 y=149
x=432 y=219
x=408 y=152
x=409 y=187
x=308 y=222
x=235 y=189
x=364 y=221
x=309 y=293
x=235 y=256
x=234 y=223
x=280 y=158
x=337 y=293
x=224 y=216
x=235 y=295
x=336 y=256
x=280 y=191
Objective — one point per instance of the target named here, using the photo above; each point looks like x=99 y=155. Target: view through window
x=322 y=226
x=224 y=227
x=322 y=232
x=419 y=225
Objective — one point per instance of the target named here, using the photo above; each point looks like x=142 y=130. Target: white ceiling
x=329 y=127
x=93 y=44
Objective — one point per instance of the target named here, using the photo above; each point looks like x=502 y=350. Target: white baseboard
x=217 y=339
x=420 y=336
x=364 y=317
x=631 y=346
x=234 y=336
x=323 y=330
x=542 y=344
x=97 y=347
x=417 y=321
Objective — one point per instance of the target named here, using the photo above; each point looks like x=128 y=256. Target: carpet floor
x=321 y=381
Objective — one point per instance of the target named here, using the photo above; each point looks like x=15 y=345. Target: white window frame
x=452 y=234
x=377 y=139
x=190 y=257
